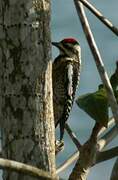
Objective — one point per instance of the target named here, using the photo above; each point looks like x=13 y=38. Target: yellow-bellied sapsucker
x=65 y=75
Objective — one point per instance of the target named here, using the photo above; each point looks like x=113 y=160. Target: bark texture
x=86 y=159
x=26 y=114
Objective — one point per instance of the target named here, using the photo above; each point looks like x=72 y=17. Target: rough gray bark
x=26 y=114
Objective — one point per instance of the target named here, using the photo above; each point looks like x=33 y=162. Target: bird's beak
x=57 y=44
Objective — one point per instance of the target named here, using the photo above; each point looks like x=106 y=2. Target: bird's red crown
x=69 y=40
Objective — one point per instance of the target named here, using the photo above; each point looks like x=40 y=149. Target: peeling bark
x=26 y=85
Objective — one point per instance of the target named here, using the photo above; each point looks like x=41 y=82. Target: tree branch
x=106 y=155
x=72 y=136
x=110 y=123
x=87 y=156
x=23 y=168
x=97 y=57
x=88 y=151
x=107 y=138
x=96 y=129
x=68 y=162
x=114 y=174
x=99 y=15
x=75 y=155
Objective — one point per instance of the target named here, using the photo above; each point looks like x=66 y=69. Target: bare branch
x=68 y=162
x=99 y=15
x=75 y=155
x=72 y=136
x=106 y=155
x=114 y=174
x=97 y=128
x=86 y=159
x=107 y=138
x=23 y=168
x=87 y=156
x=110 y=123
x=88 y=151
x=97 y=58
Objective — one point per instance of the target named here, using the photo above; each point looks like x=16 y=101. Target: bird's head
x=69 y=47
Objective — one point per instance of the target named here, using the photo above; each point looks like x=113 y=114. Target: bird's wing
x=68 y=81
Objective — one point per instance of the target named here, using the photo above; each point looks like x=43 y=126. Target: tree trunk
x=26 y=85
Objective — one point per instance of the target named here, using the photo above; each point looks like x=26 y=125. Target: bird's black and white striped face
x=68 y=46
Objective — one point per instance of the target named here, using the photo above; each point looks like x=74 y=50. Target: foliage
x=96 y=104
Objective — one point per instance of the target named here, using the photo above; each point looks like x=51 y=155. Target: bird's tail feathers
x=65 y=116
x=62 y=127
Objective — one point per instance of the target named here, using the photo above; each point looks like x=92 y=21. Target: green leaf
x=95 y=105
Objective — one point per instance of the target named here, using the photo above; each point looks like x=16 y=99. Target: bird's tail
x=62 y=127
x=67 y=109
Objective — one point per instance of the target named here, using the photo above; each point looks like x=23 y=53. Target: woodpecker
x=65 y=78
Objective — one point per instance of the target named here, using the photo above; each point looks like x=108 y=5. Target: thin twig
x=97 y=58
x=107 y=138
x=23 y=168
x=106 y=155
x=99 y=15
x=72 y=136
x=68 y=162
